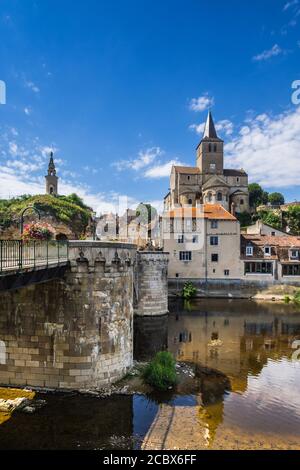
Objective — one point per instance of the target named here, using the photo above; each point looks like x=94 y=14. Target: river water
x=254 y=345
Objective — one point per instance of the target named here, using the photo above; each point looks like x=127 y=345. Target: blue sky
x=120 y=90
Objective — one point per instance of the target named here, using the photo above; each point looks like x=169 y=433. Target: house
x=270 y=257
x=203 y=242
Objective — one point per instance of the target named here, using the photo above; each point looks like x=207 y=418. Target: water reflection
x=252 y=345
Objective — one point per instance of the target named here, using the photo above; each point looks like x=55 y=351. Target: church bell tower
x=210 y=152
x=51 y=178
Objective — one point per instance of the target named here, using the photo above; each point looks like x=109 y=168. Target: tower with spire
x=210 y=151
x=208 y=182
x=51 y=178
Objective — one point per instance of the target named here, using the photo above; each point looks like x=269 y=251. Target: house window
x=212 y=166
x=267 y=250
x=185 y=256
x=259 y=268
x=294 y=254
x=273 y=234
x=214 y=224
x=249 y=250
x=214 y=241
x=180 y=239
x=214 y=257
x=226 y=272
x=238 y=180
x=219 y=196
x=291 y=270
x=188 y=177
x=195 y=239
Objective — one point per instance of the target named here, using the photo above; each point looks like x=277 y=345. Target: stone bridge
x=76 y=330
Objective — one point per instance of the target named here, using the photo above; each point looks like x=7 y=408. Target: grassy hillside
x=67 y=209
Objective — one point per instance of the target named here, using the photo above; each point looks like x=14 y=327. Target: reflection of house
x=270 y=257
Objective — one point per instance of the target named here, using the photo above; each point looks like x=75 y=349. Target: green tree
x=276 y=199
x=293 y=219
x=257 y=195
x=244 y=218
x=146 y=213
x=270 y=218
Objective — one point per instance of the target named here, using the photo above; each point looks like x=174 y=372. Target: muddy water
x=252 y=344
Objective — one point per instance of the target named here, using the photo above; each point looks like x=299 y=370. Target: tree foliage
x=257 y=196
x=276 y=199
x=293 y=219
x=271 y=218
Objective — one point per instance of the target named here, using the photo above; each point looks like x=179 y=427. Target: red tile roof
x=208 y=211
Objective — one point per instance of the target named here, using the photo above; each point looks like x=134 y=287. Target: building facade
x=202 y=242
x=208 y=182
x=270 y=257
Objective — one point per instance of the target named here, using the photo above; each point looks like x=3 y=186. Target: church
x=208 y=182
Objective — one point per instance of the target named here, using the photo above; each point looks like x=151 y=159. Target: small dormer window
x=249 y=250
x=294 y=254
x=267 y=250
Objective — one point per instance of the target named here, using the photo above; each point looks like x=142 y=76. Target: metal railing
x=21 y=254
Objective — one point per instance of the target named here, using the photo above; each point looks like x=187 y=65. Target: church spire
x=209 y=129
x=51 y=178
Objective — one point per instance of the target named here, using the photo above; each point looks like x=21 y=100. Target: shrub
x=189 y=290
x=286 y=299
x=297 y=298
x=160 y=373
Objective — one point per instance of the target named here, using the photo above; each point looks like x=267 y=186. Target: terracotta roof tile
x=209 y=211
x=192 y=170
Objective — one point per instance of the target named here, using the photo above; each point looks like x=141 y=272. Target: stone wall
x=151 y=283
x=236 y=288
x=75 y=333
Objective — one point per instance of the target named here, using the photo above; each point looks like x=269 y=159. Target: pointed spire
x=51 y=166
x=209 y=129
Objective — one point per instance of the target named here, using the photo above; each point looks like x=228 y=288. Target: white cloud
x=268 y=148
x=32 y=86
x=27 y=111
x=224 y=126
x=162 y=170
x=267 y=54
x=145 y=158
x=201 y=103
x=290 y=4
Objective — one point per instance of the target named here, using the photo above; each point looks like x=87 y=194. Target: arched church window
x=209 y=147
x=220 y=196
x=215 y=147
x=190 y=201
x=209 y=197
x=242 y=202
x=51 y=189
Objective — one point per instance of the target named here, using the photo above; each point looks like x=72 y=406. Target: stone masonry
x=75 y=333
x=151 y=283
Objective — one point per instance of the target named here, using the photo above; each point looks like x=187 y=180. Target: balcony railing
x=20 y=254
